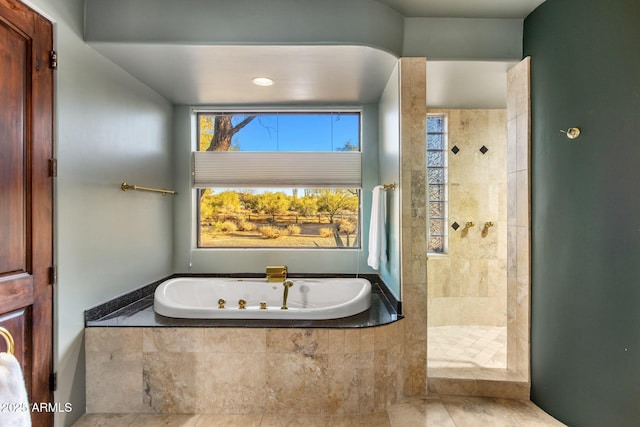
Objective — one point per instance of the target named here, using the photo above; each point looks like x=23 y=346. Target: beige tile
x=378 y=419
x=233 y=383
x=114 y=380
x=235 y=340
x=475 y=411
x=303 y=341
x=428 y=411
x=352 y=341
x=172 y=382
x=336 y=339
x=105 y=420
x=173 y=339
x=277 y=420
x=113 y=340
x=229 y=421
x=297 y=383
x=168 y=420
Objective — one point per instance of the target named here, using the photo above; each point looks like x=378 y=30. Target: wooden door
x=26 y=192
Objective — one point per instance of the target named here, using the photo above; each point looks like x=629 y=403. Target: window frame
x=311 y=111
x=444 y=199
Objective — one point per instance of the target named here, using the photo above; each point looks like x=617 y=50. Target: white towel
x=13 y=394
x=377 y=229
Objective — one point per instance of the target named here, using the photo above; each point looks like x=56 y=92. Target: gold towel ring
x=8 y=339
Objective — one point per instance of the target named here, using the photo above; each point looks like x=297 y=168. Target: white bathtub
x=313 y=298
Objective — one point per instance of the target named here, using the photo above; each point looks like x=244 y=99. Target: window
x=282 y=179
x=437 y=183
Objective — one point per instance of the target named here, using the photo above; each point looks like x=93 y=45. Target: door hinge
x=53 y=60
x=53 y=381
x=53 y=275
x=53 y=168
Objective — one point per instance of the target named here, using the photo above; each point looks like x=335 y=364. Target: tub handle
x=286 y=285
x=263 y=305
x=221 y=303
x=242 y=304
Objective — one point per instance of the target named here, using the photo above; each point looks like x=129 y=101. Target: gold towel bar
x=389 y=186
x=164 y=192
x=8 y=339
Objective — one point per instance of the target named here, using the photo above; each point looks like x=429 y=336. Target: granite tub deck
x=136 y=310
x=139 y=362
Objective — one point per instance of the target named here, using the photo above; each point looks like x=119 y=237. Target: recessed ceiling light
x=262 y=81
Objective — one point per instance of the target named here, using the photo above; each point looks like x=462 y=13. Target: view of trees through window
x=279 y=217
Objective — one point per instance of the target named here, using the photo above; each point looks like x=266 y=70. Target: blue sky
x=299 y=132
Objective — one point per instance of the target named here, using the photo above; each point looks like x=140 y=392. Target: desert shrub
x=326 y=232
x=346 y=226
x=245 y=225
x=270 y=232
x=228 y=227
x=293 y=230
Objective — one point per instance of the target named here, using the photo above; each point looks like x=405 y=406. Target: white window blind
x=341 y=169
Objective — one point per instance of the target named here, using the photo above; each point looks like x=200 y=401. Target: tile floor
x=467 y=347
x=432 y=411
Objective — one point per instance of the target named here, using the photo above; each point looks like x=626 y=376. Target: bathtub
x=308 y=299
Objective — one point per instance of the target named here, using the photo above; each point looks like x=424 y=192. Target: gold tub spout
x=287 y=284
x=276 y=273
x=242 y=304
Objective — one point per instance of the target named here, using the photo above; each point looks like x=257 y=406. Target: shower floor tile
x=467 y=347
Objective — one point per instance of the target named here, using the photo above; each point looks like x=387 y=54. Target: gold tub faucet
x=287 y=284
x=277 y=273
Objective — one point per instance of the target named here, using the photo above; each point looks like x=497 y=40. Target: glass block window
x=437 y=183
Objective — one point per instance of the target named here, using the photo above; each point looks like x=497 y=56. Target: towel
x=377 y=229
x=14 y=410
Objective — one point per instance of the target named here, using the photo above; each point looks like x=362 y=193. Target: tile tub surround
x=245 y=370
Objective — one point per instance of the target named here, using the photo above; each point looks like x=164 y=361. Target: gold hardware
x=485 y=229
x=8 y=339
x=466 y=228
x=221 y=303
x=572 y=133
x=276 y=273
x=390 y=186
x=263 y=305
x=164 y=192
x=242 y=304
x=286 y=285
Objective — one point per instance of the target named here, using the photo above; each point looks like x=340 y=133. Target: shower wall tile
x=468 y=278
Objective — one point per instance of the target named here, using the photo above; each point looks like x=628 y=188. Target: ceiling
x=221 y=75
x=514 y=9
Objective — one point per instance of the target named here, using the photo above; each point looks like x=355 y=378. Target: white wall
x=109 y=128
x=389 y=172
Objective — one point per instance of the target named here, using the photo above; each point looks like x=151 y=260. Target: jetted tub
x=309 y=298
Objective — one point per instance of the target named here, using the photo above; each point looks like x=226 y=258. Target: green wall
x=585 y=334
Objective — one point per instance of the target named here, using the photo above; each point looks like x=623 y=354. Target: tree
x=334 y=201
x=306 y=205
x=273 y=203
x=222 y=130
